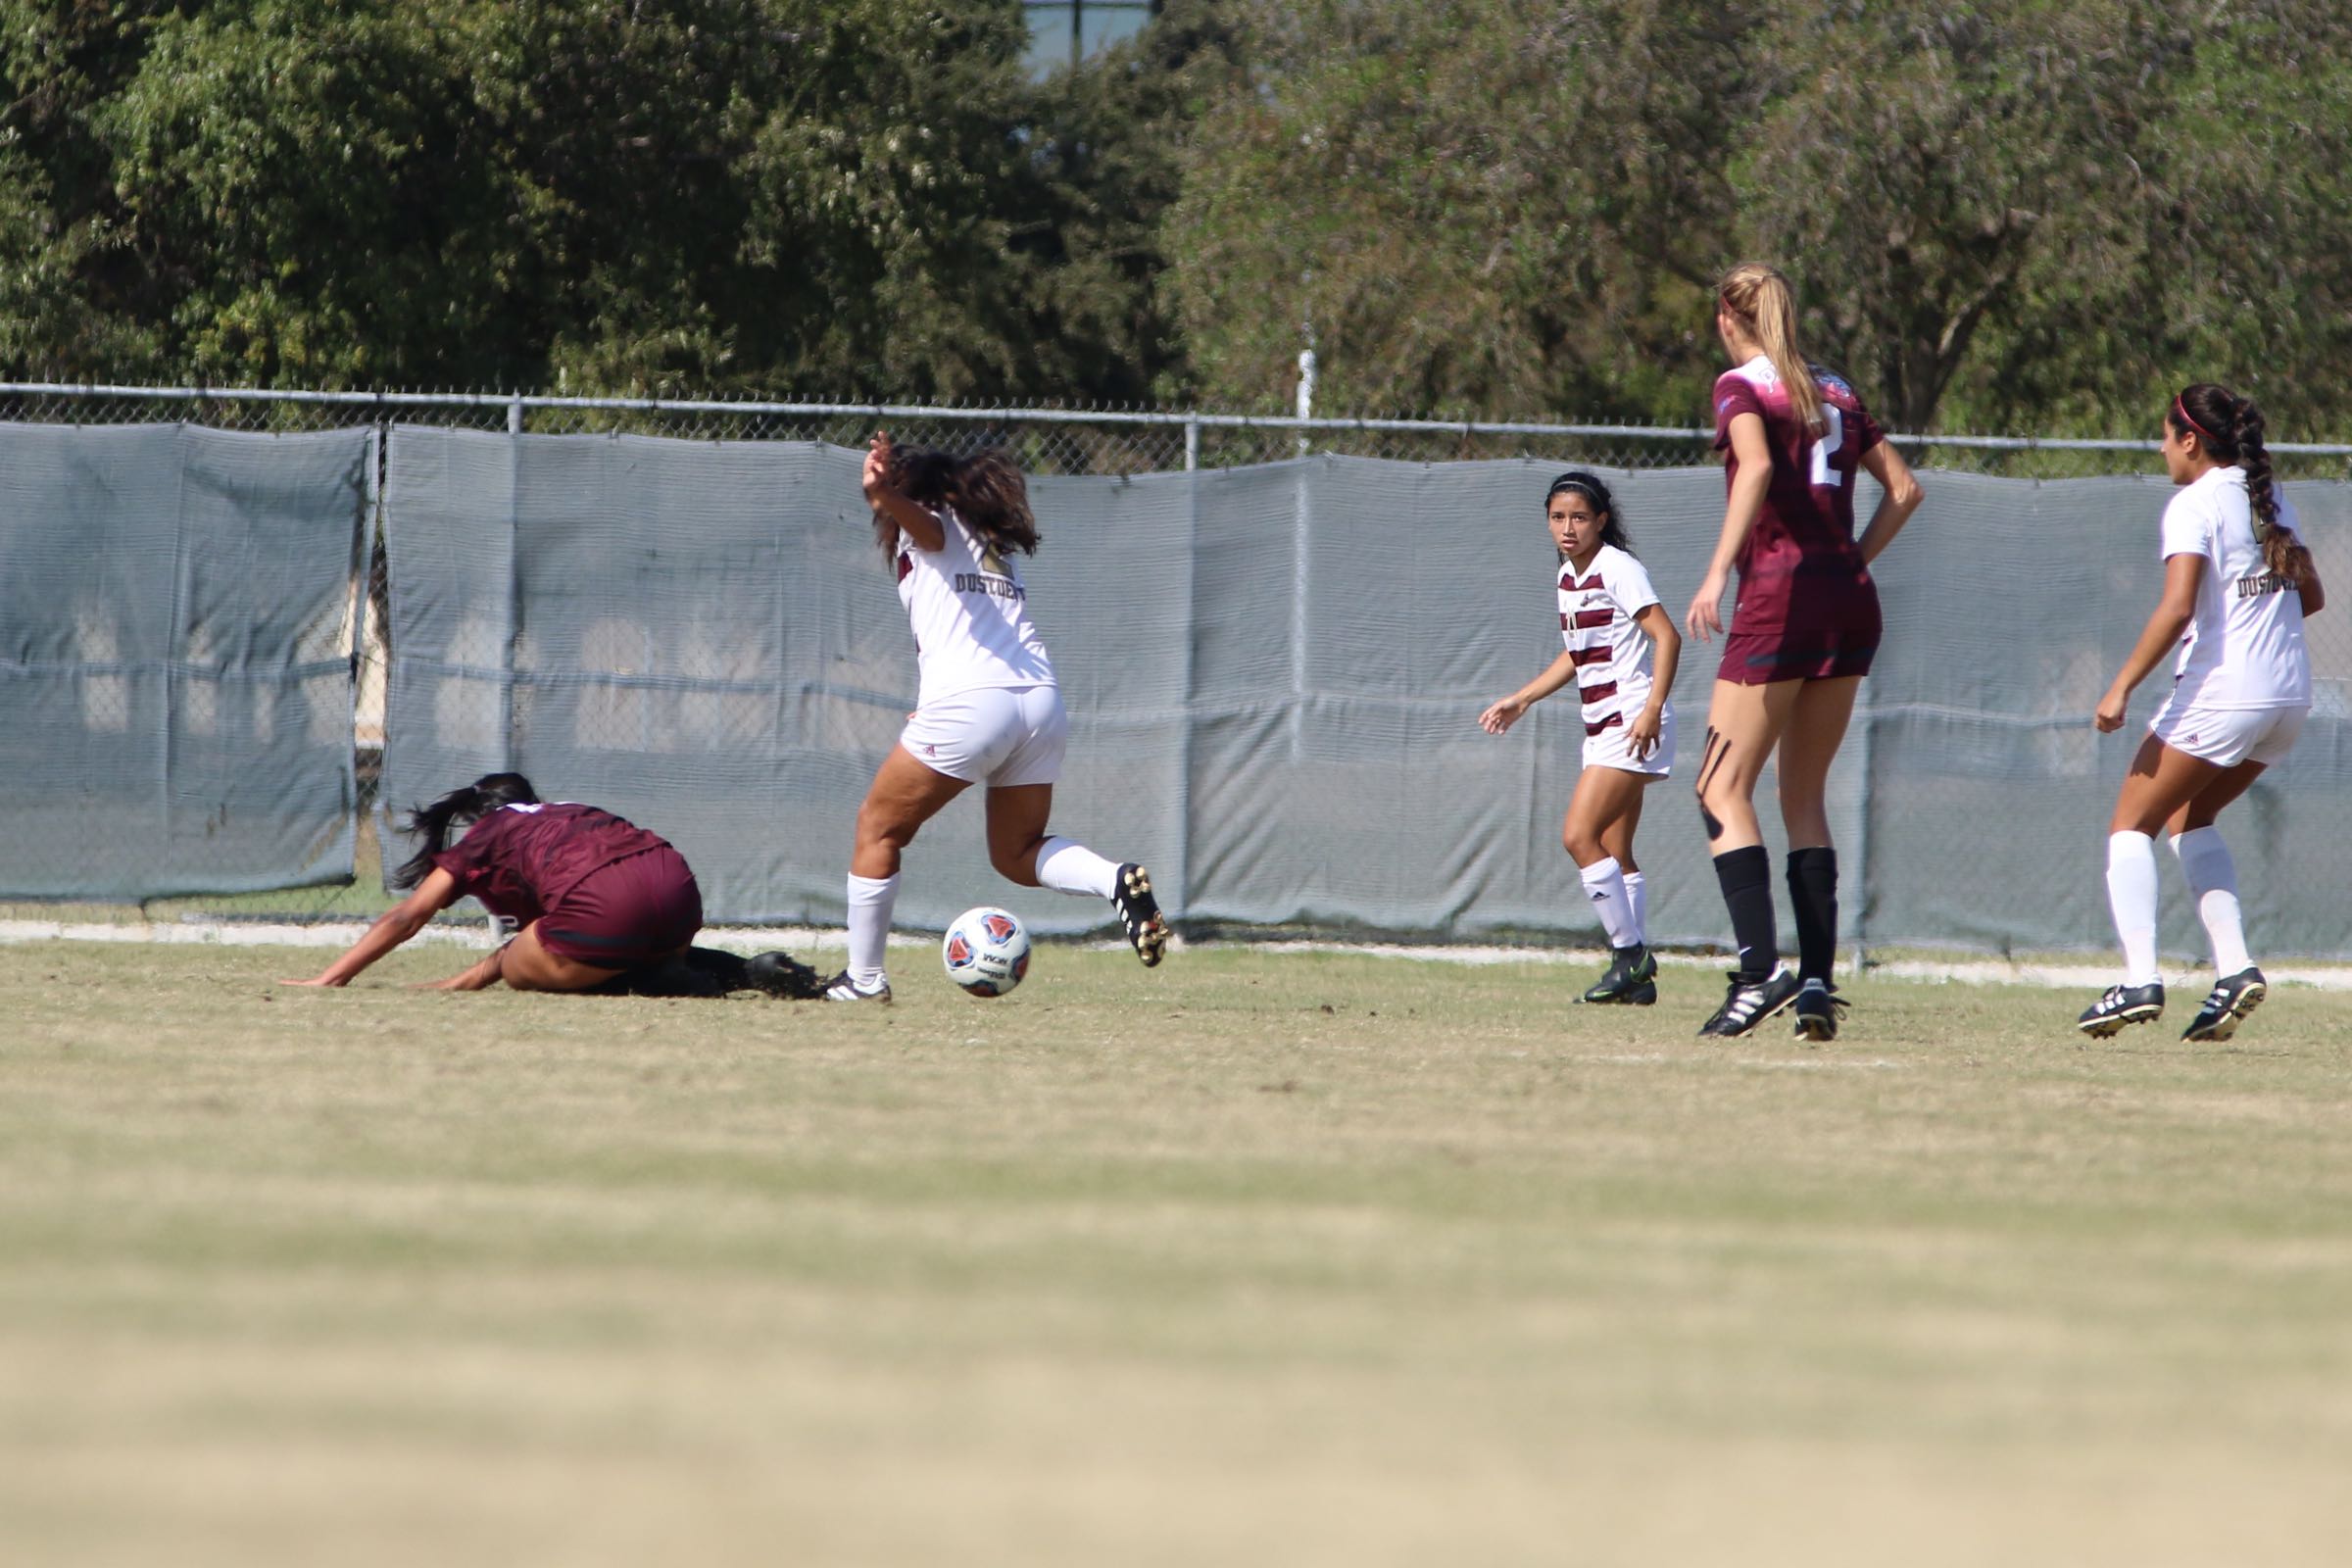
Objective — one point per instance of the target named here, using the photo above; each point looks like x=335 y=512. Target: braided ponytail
x=2246 y=434
x=2232 y=429
x=461 y=806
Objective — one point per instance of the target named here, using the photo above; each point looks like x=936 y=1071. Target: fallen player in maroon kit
x=604 y=906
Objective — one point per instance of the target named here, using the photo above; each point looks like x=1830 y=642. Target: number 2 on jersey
x=1826 y=477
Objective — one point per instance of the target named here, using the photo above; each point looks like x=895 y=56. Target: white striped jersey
x=1597 y=607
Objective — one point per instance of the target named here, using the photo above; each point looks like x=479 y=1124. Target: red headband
x=2191 y=421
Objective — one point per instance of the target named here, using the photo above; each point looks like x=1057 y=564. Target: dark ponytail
x=986 y=490
x=2233 y=431
x=991 y=495
x=1593 y=489
x=458 y=808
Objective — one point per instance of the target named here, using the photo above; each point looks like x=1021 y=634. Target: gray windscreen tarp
x=1274 y=675
x=176 y=658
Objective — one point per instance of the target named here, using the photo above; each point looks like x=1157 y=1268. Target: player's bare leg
x=905 y=793
x=2238 y=987
x=1744 y=725
x=527 y=965
x=1604 y=798
x=1619 y=842
x=1022 y=852
x=1817 y=726
x=2161 y=782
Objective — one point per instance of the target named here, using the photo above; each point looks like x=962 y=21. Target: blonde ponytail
x=1762 y=301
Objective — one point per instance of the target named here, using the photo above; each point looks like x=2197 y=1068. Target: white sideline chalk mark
x=1760 y=1065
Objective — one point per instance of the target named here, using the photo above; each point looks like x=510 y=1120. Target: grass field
x=1258 y=1258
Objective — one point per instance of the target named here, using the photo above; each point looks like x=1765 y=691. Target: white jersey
x=970 y=615
x=1597 y=607
x=2244 y=645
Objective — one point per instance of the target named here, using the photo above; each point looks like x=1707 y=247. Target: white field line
x=755 y=939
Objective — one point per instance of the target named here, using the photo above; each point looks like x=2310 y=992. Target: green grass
x=1255 y=1259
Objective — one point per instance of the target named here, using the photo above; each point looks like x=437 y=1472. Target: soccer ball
x=986 y=950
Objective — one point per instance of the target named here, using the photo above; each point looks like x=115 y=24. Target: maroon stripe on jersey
x=1597 y=694
x=1587 y=655
x=1587 y=619
x=905 y=566
x=1613 y=721
x=1571 y=583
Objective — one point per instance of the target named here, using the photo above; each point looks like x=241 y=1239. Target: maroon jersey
x=520 y=860
x=1800 y=563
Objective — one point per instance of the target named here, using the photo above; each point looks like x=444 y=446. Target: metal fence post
x=515 y=415
x=1307 y=392
x=1191 y=443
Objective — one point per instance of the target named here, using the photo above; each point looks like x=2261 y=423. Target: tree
x=827 y=196
x=1494 y=206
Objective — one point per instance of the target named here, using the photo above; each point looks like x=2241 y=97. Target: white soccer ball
x=986 y=950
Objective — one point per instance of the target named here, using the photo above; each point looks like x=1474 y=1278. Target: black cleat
x=780 y=974
x=1139 y=913
x=1749 y=1002
x=1819 y=1010
x=1631 y=978
x=2226 y=1006
x=2122 y=1004
x=841 y=988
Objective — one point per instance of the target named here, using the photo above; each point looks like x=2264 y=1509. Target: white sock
x=2212 y=878
x=1067 y=867
x=2131 y=896
x=870 y=899
x=1604 y=885
x=1636 y=894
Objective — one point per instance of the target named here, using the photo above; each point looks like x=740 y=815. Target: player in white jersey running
x=2237 y=584
x=988 y=709
x=1606 y=607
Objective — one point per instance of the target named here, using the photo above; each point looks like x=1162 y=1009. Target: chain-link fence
x=625 y=699
x=1067 y=441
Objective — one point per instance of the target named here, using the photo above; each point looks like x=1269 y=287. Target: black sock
x=1813 y=892
x=1746 y=879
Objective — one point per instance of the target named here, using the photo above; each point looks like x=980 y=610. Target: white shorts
x=1000 y=735
x=1613 y=748
x=2229 y=736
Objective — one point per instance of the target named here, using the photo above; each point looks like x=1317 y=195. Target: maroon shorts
x=626 y=913
x=1760 y=659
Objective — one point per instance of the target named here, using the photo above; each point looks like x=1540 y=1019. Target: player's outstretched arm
x=1502 y=716
x=913 y=521
x=437 y=892
x=2181 y=575
x=1739 y=513
x=1899 y=496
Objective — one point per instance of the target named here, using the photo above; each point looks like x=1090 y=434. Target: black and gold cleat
x=2226 y=1006
x=1139 y=913
x=1819 y=1011
x=1631 y=980
x=2122 y=1004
